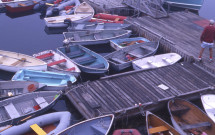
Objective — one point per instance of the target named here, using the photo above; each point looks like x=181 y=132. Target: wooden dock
x=119 y=93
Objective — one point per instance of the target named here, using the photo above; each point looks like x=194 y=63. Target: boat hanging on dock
x=94 y=37
x=87 y=60
x=12 y=62
x=187 y=118
x=156 y=61
x=156 y=125
x=14 y=88
x=96 y=26
x=84 y=12
x=58 y=63
x=95 y=126
x=120 y=43
x=52 y=80
x=122 y=59
x=21 y=6
x=19 y=108
x=51 y=123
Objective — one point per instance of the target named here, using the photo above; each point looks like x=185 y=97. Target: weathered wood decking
x=122 y=92
x=179 y=31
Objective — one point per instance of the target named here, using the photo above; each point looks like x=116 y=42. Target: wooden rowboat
x=16 y=109
x=95 y=126
x=156 y=125
x=84 y=12
x=58 y=63
x=208 y=101
x=14 y=88
x=187 y=118
x=12 y=62
x=156 y=61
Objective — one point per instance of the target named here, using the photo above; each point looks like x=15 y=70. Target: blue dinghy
x=118 y=44
x=96 y=126
x=53 y=80
x=87 y=60
x=186 y=4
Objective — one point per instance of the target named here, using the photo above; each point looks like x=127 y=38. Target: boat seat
x=80 y=26
x=179 y=110
x=71 y=69
x=99 y=27
x=85 y=60
x=56 y=62
x=75 y=54
x=21 y=4
x=38 y=130
x=47 y=55
x=11 y=110
x=97 y=36
x=147 y=48
x=197 y=125
x=77 y=37
x=157 y=129
x=135 y=54
x=98 y=129
x=41 y=102
x=98 y=65
x=118 y=60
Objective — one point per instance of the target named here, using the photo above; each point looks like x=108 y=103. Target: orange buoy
x=31 y=87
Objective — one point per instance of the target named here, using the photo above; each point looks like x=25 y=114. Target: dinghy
x=208 y=101
x=12 y=62
x=92 y=26
x=186 y=4
x=58 y=63
x=16 y=109
x=52 y=80
x=84 y=12
x=187 y=118
x=87 y=60
x=21 y=6
x=126 y=132
x=94 y=37
x=156 y=125
x=156 y=61
x=95 y=126
x=51 y=124
x=3 y=3
x=122 y=59
x=120 y=43
x=14 y=88
x=108 y=18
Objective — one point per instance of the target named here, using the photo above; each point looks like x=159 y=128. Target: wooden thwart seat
x=85 y=60
x=45 y=56
x=56 y=62
x=158 y=129
x=135 y=54
x=98 y=65
x=197 y=125
x=75 y=53
x=11 y=110
x=38 y=129
x=41 y=102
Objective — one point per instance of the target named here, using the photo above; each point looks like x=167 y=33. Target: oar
x=49 y=4
x=15 y=58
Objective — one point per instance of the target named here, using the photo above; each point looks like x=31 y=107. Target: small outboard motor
x=68 y=22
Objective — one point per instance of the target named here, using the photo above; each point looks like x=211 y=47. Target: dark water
x=27 y=34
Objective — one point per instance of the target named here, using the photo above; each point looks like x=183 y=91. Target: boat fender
x=68 y=22
x=55 y=11
x=31 y=87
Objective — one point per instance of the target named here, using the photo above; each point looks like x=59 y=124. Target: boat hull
x=208 y=104
x=18 y=9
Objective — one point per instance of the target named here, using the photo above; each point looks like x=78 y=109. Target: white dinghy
x=208 y=101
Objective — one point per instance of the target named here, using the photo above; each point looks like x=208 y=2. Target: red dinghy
x=108 y=18
x=20 y=6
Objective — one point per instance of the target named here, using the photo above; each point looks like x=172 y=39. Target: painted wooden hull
x=52 y=58
x=156 y=125
x=96 y=26
x=156 y=61
x=87 y=60
x=84 y=12
x=91 y=126
x=186 y=4
x=122 y=59
x=53 y=80
x=94 y=37
x=14 y=88
x=118 y=44
x=208 y=101
x=60 y=119
x=19 y=107
x=3 y=3
x=8 y=62
x=20 y=6
x=187 y=118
